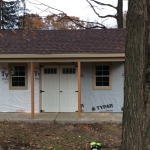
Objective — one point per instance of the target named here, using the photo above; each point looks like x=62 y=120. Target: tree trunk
x=135 y=76
x=0 y=14
x=146 y=137
x=120 y=14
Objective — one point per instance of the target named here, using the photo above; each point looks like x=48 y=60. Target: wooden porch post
x=32 y=88
x=79 y=89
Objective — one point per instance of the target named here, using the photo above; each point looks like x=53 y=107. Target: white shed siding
x=20 y=100
x=94 y=100
x=17 y=100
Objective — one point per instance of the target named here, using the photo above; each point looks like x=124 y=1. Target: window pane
x=15 y=67
x=98 y=83
x=52 y=70
x=21 y=83
x=98 y=72
x=48 y=71
x=21 y=68
x=45 y=70
x=105 y=83
x=18 y=81
x=70 y=70
x=21 y=73
x=98 y=67
x=67 y=70
x=105 y=79
x=105 y=67
x=105 y=72
x=14 y=79
x=99 y=79
x=21 y=79
x=64 y=71
x=14 y=83
x=15 y=73
x=55 y=71
x=73 y=70
x=14 y=70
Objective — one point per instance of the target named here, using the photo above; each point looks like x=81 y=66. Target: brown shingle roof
x=63 y=41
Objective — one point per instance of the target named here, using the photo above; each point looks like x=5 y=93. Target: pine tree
x=10 y=11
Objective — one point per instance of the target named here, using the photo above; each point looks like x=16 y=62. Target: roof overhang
x=62 y=57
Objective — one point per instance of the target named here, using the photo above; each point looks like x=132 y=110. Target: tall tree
x=136 y=114
x=146 y=137
x=10 y=14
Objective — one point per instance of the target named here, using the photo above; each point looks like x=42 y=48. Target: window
x=50 y=70
x=68 y=71
x=102 y=76
x=18 y=77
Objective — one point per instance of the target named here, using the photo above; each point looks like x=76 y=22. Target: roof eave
x=46 y=56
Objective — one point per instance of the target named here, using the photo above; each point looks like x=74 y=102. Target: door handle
x=60 y=91
x=41 y=91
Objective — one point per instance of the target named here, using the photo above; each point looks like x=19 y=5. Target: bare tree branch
x=112 y=16
x=99 y=25
x=104 y=4
x=49 y=6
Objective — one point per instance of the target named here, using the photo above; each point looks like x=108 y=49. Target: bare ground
x=53 y=136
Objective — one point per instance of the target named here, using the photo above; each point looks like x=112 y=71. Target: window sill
x=18 y=88
x=102 y=88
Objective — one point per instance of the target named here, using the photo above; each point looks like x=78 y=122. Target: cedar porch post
x=32 y=88
x=79 y=89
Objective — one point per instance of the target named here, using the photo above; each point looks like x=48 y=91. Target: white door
x=50 y=88
x=68 y=89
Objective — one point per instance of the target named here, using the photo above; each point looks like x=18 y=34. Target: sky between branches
x=79 y=8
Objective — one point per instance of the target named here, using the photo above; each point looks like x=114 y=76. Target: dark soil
x=53 y=136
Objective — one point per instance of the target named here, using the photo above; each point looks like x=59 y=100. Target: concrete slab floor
x=63 y=117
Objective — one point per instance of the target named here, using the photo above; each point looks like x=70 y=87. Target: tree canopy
x=53 y=22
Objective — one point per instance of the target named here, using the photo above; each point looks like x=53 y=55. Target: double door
x=59 y=88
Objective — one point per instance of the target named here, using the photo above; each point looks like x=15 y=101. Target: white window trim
x=10 y=77
x=94 y=77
